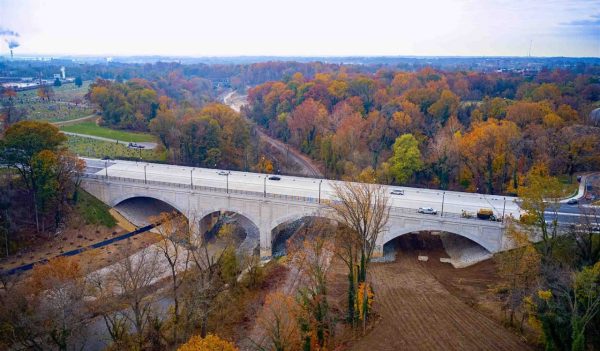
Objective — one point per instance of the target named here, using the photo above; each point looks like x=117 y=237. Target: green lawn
x=91 y=128
x=93 y=210
x=97 y=148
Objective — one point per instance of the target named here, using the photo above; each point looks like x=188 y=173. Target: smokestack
x=10 y=39
x=62 y=72
x=11 y=45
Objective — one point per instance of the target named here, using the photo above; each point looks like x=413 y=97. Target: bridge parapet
x=267 y=210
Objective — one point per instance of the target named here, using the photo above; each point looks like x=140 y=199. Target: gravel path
x=305 y=164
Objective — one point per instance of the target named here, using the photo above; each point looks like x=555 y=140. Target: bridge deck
x=304 y=189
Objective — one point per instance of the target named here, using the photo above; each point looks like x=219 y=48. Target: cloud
x=594 y=21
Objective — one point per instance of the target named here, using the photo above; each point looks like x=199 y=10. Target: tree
x=133 y=276
x=541 y=195
x=174 y=231
x=209 y=343
x=444 y=107
x=279 y=320
x=59 y=289
x=10 y=113
x=34 y=149
x=206 y=280
x=312 y=257
x=45 y=92
x=406 y=159
x=519 y=269
x=78 y=81
x=363 y=212
x=489 y=151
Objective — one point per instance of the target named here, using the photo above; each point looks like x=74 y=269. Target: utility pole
x=145 y=179
x=227 y=182
x=106 y=169
x=191 y=179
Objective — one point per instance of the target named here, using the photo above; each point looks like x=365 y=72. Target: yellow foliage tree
x=363 y=303
x=209 y=343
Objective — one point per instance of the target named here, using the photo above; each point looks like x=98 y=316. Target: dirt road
x=306 y=166
x=75 y=121
x=419 y=313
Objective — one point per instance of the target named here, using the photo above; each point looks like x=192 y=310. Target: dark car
x=572 y=202
x=274 y=178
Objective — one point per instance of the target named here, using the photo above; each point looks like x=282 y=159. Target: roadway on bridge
x=413 y=198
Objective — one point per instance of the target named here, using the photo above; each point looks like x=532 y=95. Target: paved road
x=413 y=198
x=306 y=165
x=147 y=145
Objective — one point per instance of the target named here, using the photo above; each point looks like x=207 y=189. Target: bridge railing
x=393 y=209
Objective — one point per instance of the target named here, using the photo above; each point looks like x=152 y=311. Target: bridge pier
x=266 y=249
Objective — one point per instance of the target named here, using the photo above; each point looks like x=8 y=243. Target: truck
x=486 y=214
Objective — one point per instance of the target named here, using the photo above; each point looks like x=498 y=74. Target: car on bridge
x=274 y=178
x=397 y=192
x=427 y=210
x=224 y=173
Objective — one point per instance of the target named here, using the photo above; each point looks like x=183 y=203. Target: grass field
x=65 y=92
x=60 y=108
x=93 y=211
x=91 y=128
x=54 y=112
x=97 y=148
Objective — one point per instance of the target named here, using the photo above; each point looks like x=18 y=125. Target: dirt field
x=419 y=312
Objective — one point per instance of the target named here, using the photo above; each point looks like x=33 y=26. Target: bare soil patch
x=419 y=308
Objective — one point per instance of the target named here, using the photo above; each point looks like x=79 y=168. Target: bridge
x=265 y=204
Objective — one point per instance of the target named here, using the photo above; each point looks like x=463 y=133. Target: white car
x=397 y=192
x=427 y=210
x=223 y=173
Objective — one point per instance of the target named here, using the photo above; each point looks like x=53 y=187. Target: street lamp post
x=265 y=187
x=191 y=179
x=145 y=178
x=321 y=181
x=227 y=188
x=443 y=197
x=106 y=169
x=503 y=209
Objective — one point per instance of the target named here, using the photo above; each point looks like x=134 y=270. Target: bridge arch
x=394 y=233
x=156 y=196
x=292 y=217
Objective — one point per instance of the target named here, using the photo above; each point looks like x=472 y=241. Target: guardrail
x=298 y=198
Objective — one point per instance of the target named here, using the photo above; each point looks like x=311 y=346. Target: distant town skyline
x=307 y=28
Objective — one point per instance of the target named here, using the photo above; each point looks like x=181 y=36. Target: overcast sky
x=303 y=27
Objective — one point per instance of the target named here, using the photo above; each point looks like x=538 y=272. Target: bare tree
x=363 y=212
x=585 y=236
x=175 y=234
x=205 y=281
x=133 y=278
x=109 y=305
x=313 y=258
